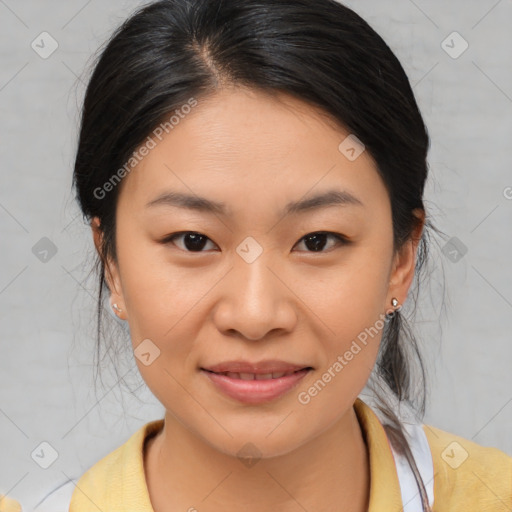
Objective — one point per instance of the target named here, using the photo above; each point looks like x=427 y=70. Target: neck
x=330 y=472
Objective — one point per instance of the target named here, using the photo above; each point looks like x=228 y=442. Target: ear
x=111 y=271
x=404 y=264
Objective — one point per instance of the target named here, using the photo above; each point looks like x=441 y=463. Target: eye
x=317 y=240
x=193 y=242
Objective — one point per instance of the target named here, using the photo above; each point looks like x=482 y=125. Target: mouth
x=258 y=376
x=255 y=387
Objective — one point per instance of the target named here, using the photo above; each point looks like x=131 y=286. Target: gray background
x=47 y=308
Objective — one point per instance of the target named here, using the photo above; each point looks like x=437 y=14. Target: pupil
x=196 y=243
x=318 y=244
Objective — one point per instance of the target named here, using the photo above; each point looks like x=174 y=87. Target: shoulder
x=9 y=504
x=104 y=474
x=118 y=475
x=468 y=475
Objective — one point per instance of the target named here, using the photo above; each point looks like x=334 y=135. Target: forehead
x=249 y=147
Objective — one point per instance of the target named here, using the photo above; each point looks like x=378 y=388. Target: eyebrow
x=202 y=204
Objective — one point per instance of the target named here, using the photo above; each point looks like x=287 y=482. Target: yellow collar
x=117 y=482
x=384 y=486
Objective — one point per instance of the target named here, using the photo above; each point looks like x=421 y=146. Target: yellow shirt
x=467 y=476
x=8 y=504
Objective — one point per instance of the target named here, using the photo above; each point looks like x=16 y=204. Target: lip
x=256 y=391
x=260 y=367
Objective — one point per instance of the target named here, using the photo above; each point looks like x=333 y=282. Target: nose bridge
x=253 y=278
x=255 y=301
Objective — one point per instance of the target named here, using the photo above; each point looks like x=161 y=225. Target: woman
x=253 y=173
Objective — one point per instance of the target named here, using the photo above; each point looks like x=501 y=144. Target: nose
x=255 y=300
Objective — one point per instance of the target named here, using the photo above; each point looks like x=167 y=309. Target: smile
x=256 y=376
x=250 y=388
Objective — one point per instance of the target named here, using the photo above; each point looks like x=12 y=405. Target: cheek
x=348 y=303
x=166 y=312
x=349 y=297
x=157 y=294
x=349 y=336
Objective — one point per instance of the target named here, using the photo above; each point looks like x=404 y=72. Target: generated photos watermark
x=144 y=149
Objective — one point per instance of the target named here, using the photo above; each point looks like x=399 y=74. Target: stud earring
x=117 y=308
x=395 y=303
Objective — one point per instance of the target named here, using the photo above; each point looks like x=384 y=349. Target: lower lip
x=255 y=391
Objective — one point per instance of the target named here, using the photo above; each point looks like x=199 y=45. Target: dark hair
x=318 y=51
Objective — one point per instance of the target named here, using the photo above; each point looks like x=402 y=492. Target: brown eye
x=191 y=241
x=315 y=242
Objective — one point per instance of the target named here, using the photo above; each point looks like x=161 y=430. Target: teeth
x=245 y=376
x=259 y=376
x=233 y=375
x=263 y=376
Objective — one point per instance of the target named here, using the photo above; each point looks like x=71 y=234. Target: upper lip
x=260 y=367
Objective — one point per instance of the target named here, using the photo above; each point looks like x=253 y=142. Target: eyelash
x=341 y=240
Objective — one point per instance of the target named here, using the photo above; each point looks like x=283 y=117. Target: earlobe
x=404 y=264
x=110 y=269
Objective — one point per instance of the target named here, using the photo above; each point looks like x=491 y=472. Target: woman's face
x=259 y=280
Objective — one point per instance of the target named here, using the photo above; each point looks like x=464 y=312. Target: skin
x=256 y=153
